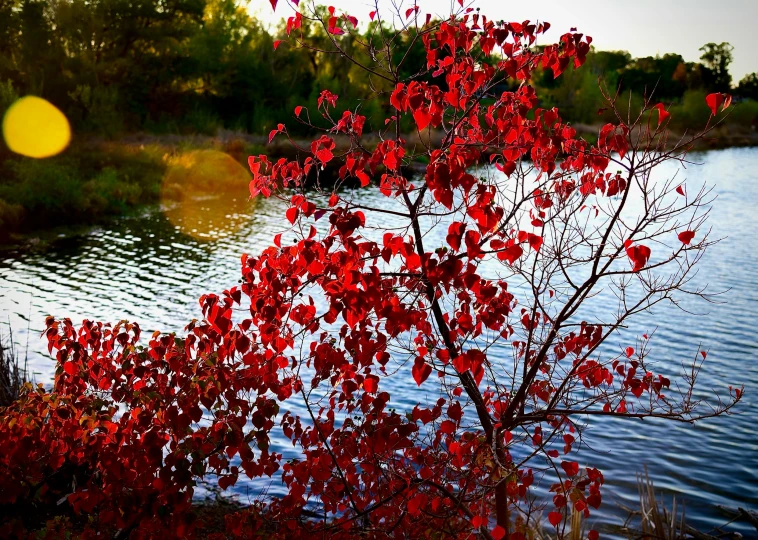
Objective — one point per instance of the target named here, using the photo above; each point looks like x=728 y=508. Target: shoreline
x=107 y=179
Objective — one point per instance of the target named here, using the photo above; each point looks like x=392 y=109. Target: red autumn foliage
x=476 y=293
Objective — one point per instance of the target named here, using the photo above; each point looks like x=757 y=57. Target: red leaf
x=534 y=241
x=272 y=135
x=704 y=354
x=422 y=118
x=276 y=43
x=686 y=237
x=498 y=533
x=372 y=15
x=298 y=110
x=554 y=518
x=680 y=189
x=363 y=177
x=715 y=100
x=639 y=255
x=571 y=467
x=421 y=371
x=447 y=427
x=454 y=235
x=292 y=214
x=593 y=535
x=477 y=521
x=663 y=114
x=273 y=4
x=511 y=254
x=399 y=98
x=629 y=352
x=371 y=384
x=227 y=481
x=278 y=240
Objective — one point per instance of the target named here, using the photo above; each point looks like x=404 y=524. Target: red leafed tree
x=493 y=280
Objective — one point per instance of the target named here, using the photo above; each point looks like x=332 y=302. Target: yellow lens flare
x=205 y=194
x=35 y=128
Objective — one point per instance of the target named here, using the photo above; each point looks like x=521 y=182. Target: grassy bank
x=84 y=185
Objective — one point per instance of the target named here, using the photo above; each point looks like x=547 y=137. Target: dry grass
x=655 y=521
x=12 y=376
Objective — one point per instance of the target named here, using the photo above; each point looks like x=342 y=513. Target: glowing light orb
x=205 y=194
x=35 y=128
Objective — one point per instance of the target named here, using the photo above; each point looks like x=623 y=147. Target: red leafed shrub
x=471 y=283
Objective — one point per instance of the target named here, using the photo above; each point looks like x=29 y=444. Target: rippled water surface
x=144 y=269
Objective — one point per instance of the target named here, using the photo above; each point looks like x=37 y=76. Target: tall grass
x=12 y=375
x=656 y=521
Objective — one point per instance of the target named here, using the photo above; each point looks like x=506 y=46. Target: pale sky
x=642 y=27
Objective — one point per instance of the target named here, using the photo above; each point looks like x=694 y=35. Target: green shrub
x=46 y=189
x=201 y=121
x=11 y=217
x=99 y=108
x=691 y=112
x=81 y=186
x=109 y=193
x=744 y=114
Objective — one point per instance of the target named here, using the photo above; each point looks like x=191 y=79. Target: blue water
x=147 y=269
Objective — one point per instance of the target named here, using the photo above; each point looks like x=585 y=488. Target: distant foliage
x=194 y=66
x=748 y=86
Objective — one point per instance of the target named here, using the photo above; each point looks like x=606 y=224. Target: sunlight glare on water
x=203 y=194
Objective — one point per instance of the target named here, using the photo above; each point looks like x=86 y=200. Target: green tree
x=716 y=59
x=748 y=87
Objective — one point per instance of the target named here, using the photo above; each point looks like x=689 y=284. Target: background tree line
x=193 y=66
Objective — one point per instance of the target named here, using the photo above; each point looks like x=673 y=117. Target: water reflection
x=204 y=194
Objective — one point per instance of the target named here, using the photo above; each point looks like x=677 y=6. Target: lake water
x=145 y=269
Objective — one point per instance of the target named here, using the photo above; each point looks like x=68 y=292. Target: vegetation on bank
x=93 y=181
x=82 y=185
